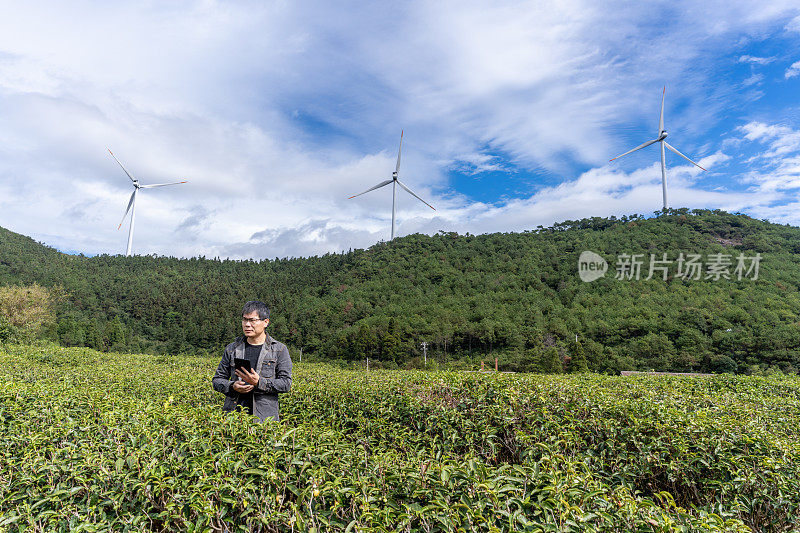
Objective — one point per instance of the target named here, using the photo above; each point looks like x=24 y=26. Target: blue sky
x=277 y=112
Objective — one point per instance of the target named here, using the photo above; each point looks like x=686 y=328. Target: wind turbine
x=132 y=201
x=662 y=135
x=395 y=182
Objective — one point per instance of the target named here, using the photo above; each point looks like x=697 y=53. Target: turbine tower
x=395 y=182
x=662 y=135
x=132 y=201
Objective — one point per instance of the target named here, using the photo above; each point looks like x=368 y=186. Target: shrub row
x=99 y=442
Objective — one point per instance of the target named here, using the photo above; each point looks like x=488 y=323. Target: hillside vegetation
x=115 y=442
x=514 y=296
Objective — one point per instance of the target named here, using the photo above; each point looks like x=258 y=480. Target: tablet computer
x=241 y=363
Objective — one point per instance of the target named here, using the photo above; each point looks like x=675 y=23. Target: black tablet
x=241 y=363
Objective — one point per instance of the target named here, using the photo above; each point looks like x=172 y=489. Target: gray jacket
x=274 y=368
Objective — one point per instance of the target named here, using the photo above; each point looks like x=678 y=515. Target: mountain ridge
x=515 y=296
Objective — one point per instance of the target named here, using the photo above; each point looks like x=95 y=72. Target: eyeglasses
x=251 y=320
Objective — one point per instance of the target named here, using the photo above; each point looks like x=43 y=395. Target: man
x=255 y=390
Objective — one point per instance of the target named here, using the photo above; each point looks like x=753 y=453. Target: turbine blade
x=397 y=168
x=130 y=203
x=683 y=156
x=161 y=184
x=648 y=143
x=661 y=116
x=120 y=164
x=378 y=186
x=409 y=191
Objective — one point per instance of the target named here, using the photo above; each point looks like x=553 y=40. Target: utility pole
x=425 y=351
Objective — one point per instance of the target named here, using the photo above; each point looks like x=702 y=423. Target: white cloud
x=477 y=163
x=600 y=191
x=756 y=60
x=780 y=139
x=277 y=112
x=755 y=79
x=779 y=165
x=793 y=70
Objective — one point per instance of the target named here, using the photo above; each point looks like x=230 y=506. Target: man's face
x=252 y=326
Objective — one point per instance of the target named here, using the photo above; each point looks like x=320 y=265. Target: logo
x=591 y=266
x=687 y=266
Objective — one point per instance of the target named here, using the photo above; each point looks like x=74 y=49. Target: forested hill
x=515 y=296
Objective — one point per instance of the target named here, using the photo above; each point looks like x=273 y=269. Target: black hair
x=259 y=307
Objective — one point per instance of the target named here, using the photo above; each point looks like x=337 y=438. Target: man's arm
x=282 y=381
x=221 y=380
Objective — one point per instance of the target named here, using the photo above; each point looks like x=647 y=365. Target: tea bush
x=112 y=442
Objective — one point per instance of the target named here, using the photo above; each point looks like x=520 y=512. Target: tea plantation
x=93 y=441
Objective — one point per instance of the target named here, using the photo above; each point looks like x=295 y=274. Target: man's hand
x=241 y=386
x=250 y=376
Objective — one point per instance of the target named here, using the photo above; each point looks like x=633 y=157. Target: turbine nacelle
x=663 y=135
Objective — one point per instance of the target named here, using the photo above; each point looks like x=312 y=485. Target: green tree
x=549 y=361
x=577 y=361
